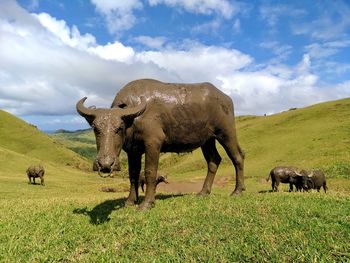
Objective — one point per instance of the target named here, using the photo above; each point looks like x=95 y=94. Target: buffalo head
x=109 y=126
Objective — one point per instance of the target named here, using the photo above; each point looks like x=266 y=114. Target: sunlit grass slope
x=72 y=220
x=31 y=145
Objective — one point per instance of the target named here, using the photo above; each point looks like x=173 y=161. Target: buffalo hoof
x=144 y=206
x=203 y=193
x=129 y=203
x=236 y=193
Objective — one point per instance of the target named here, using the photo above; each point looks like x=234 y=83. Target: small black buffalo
x=283 y=174
x=314 y=179
x=302 y=182
x=34 y=171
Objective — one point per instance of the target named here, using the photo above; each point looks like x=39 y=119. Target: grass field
x=71 y=220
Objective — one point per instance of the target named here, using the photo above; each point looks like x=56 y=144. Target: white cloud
x=332 y=24
x=237 y=26
x=199 y=63
x=46 y=69
x=211 y=27
x=118 y=14
x=46 y=66
x=224 y=8
x=280 y=51
x=326 y=49
x=151 y=42
x=272 y=14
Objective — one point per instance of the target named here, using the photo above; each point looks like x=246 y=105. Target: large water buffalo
x=34 y=171
x=148 y=117
x=284 y=174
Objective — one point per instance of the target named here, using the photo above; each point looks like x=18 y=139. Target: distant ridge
x=68 y=131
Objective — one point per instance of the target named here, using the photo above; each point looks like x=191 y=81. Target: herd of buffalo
x=149 y=117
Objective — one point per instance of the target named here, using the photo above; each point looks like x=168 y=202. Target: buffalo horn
x=82 y=110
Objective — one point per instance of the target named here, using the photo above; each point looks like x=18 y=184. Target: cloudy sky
x=268 y=56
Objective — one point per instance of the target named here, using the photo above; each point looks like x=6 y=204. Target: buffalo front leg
x=213 y=159
x=151 y=167
x=134 y=161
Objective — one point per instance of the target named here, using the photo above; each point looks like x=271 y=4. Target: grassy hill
x=22 y=144
x=72 y=220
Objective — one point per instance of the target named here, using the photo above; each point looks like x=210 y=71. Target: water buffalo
x=34 y=171
x=302 y=182
x=160 y=179
x=317 y=178
x=284 y=174
x=149 y=117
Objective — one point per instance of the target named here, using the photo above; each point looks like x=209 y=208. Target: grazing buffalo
x=302 y=182
x=35 y=172
x=284 y=174
x=160 y=179
x=149 y=117
x=314 y=179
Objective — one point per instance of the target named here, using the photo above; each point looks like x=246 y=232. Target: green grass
x=83 y=226
x=71 y=220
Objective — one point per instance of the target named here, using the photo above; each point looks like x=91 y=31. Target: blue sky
x=268 y=56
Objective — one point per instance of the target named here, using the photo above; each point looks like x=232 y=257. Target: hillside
x=22 y=144
x=313 y=137
x=71 y=219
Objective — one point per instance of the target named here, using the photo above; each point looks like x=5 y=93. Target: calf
x=160 y=179
x=34 y=171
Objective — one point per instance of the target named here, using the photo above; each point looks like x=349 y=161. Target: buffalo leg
x=42 y=180
x=151 y=167
x=277 y=183
x=134 y=161
x=213 y=159
x=30 y=181
x=325 y=187
x=34 y=180
x=234 y=152
x=291 y=187
x=273 y=183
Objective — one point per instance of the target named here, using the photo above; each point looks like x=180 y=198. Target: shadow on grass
x=100 y=213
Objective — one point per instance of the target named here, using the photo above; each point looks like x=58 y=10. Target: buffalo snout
x=106 y=165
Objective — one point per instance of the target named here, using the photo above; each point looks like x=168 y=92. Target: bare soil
x=192 y=186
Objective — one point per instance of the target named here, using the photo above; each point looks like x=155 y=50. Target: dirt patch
x=175 y=187
x=190 y=187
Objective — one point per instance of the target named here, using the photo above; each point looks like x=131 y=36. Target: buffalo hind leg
x=234 y=152
x=213 y=159
x=134 y=161
x=42 y=180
